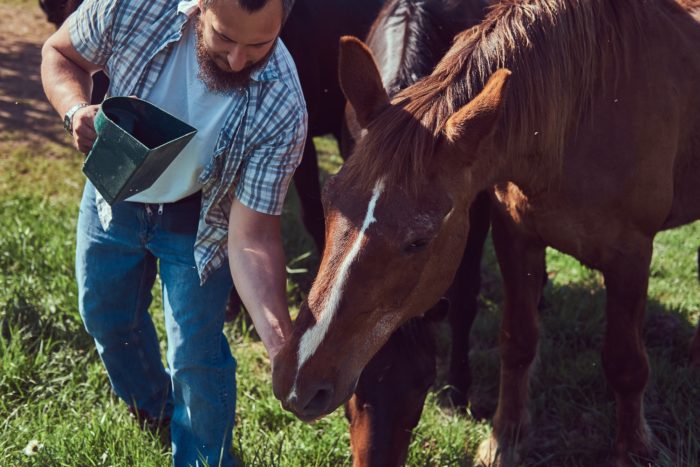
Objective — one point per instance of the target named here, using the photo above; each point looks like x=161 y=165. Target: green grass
x=53 y=388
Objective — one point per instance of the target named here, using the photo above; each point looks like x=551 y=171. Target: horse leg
x=463 y=296
x=308 y=187
x=389 y=397
x=695 y=343
x=521 y=262
x=624 y=357
x=695 y=349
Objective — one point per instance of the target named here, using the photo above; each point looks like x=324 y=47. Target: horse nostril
x=318 y=404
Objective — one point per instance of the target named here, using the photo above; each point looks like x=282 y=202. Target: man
x=218 y=65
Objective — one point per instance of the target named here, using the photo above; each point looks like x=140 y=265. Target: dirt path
x=24 y=109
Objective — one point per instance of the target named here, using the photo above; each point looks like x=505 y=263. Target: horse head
x=396 y=226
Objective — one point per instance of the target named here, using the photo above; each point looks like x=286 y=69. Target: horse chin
x=311 y=415
x=340 y=401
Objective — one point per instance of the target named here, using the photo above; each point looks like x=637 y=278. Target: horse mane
x=424 y=42
x=430 y=27
x=561 y=52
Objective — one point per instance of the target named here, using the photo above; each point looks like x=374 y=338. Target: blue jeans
x=116 y=270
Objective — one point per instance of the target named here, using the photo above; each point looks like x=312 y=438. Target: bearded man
x=212 y=217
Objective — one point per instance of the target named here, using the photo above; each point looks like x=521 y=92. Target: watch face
x=68 y=118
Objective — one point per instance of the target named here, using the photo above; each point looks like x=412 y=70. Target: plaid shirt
x=262 y=139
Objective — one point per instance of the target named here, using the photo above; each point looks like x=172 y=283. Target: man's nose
x=236 y=58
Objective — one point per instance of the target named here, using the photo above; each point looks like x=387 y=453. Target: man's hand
x=84 y=134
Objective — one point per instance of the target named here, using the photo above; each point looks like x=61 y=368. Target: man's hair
x=255 y=5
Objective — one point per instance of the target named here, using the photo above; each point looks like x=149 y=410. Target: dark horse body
x=590 y=145
x=312 y=35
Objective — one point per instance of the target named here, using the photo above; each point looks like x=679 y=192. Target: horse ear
x=477 y=118
x=360 y=80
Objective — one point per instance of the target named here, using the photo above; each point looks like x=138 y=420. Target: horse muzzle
x=307 y=398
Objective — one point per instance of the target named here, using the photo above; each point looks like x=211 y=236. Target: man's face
x=232 y=42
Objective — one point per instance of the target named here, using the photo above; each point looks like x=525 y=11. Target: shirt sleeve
x=91 y=29
x=267 y=170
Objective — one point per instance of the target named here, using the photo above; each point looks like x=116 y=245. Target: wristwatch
x=68 y=118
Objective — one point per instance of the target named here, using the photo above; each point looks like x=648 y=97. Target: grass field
x=53 y=388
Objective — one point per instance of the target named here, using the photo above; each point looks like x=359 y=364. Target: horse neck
x=492 y=164
x=559 y=66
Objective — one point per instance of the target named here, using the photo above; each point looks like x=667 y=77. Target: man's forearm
x=258 y=269
x=65 y=82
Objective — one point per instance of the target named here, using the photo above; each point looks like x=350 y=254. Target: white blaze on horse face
x=313 y=336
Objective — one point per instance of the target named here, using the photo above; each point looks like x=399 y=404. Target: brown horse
x=590 y=146
x=408 y=38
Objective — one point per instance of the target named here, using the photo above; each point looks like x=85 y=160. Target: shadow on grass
x=23 y=106
x=571 y=405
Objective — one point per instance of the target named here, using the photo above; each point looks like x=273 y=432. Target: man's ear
x=360 y=80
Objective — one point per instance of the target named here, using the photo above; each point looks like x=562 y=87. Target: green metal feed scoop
x=136 y=142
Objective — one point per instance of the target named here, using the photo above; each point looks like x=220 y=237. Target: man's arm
x=258 y=267
x=67 y=80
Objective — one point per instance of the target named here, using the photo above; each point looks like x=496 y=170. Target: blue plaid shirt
x=262 y=139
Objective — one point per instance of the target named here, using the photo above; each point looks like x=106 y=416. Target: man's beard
x=217 y=80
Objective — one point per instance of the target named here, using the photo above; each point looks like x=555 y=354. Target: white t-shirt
x=180 y=92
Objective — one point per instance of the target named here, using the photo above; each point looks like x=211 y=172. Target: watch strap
x=68 y=118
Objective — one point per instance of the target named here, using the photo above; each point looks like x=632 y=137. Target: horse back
x=633 y=164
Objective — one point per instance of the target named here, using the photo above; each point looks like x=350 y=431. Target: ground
x=23 y=106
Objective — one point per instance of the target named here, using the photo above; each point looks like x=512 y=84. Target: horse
x=581 y=118
x=381 y=418
x=408 y=38
x=311 y=33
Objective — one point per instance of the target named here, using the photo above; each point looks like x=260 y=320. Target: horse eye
x=416 y=245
